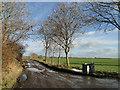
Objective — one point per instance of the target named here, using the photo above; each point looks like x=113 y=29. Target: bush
x=11 y=62
x=10 y=52
x=34 y=56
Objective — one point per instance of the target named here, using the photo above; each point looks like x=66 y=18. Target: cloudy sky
x=91 y=44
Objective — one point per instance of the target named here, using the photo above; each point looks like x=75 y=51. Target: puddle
x=24 y=77
x=76 y=70
x=36 y=70
x=50 y=70
x=29 y=64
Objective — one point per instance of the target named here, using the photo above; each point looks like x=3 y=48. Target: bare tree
x=64 y=22
x=15 y=23
x=59 y=55
x=105 y=13
x=43 y=31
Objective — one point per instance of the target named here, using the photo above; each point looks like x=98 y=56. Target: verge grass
x=107 y=65
x=10 y=75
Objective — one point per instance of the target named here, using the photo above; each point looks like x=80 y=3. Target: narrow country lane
x=36 y=75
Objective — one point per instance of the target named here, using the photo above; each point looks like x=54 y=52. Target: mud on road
x=36 y=75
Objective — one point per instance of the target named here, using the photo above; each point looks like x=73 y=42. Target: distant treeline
x=42 y=57
x=87 y=58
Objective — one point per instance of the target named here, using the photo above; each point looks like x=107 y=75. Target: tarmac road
x=36 y=75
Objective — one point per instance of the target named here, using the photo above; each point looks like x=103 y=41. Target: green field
x=107 y=65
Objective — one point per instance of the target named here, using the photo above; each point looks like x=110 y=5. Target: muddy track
x=35 y=75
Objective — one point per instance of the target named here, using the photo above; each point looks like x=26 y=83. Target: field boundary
x=98 y=74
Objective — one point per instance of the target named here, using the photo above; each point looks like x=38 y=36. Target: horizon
x=79 y=57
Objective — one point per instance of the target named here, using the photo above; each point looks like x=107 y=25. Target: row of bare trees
x=70 y=18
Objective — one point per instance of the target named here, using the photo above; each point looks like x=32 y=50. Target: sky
x=92 y=44
x=40 y=10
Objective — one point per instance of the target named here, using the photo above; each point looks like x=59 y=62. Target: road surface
x=36 y=75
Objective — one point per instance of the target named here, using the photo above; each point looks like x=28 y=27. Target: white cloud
x=96 y=40
x=96 y=44
x=33 y=46
x=104 y=52
x=90 y=42
x=92 y=32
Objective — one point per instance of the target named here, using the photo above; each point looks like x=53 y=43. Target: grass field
x=107 y=65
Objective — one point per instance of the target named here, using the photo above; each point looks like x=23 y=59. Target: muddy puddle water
x=37 y=76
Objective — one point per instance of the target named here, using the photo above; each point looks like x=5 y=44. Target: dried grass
x=11 y=66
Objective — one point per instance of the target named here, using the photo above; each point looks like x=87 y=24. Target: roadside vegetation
x=103 y=67
x=15 y=27
x=11 y=63
x=107 y=65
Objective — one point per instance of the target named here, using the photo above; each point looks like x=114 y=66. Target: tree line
x=70 y=18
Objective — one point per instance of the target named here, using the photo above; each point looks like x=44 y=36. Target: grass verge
x=101 y=64
x=62 y=68
x=10 y=74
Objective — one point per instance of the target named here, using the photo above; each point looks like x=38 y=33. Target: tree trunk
x=67 y=59
x=59 y=56
x=53 y=55
x=46 y=54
